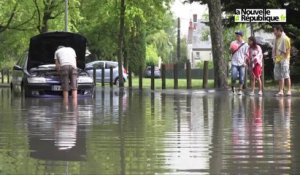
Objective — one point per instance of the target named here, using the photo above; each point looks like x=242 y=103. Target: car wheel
x=27 y=92
x=12 y=89
x=93 y=92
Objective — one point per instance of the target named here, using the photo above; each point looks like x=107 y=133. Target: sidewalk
x=268 y=92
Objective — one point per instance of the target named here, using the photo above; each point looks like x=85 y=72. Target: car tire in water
x=27 y=92
x=93 y=92
x=12 y=89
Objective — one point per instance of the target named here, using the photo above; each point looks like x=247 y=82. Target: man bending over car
x=65 y=61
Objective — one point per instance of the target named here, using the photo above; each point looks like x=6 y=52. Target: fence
x=175 y=72
x=5 y=76
x=168 y=71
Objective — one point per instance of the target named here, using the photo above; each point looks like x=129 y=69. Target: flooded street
x=123 y=132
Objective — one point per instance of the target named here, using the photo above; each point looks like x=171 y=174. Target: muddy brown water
x=132 y=132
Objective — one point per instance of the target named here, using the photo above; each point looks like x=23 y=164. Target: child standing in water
x=254 y=60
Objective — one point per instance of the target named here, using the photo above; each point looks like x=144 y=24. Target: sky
x=185 y=13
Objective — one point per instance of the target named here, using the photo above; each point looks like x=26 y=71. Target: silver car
x=99 y=65
x=157 y=73
x=35 y=73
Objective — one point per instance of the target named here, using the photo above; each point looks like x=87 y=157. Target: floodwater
x=132 y=132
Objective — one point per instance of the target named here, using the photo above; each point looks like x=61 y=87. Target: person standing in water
x=255 y=62
x=239 y=50
x=65 y=60
x=281 y=56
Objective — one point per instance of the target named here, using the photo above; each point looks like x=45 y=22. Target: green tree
x=98 y=20
x=135 y=40
x=100 y=26
x=136 y=48
x=14 y=15
x=20 y=20
x=162 y=41
x=216 y=28
x=152 y=57
x=142 y=19
x=50 y=14
x=121 y=43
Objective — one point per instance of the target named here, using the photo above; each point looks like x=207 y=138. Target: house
x=198 y=46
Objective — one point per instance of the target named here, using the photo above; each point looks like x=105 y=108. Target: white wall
x=202 y=55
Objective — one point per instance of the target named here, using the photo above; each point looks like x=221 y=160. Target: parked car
x=35 y=72
x=99 y=65
x=157 y=73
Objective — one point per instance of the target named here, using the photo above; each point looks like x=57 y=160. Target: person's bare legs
x=73 y=82
x=260 y=84
x=74 y=99
x=66 y=97
x=74 y=94
x=281 y=86
x=252 y=84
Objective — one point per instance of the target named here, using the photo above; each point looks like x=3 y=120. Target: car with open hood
x=35 y=72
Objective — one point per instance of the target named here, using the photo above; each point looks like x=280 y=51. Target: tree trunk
x=121 y=43
x=216 y=29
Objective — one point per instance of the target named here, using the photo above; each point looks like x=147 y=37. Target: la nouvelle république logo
x=260 y=15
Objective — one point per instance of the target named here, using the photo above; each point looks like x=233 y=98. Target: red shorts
x=257 y=71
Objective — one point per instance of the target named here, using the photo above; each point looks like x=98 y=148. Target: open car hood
x=43 y=46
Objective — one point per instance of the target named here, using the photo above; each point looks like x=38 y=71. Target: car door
x=99 y=66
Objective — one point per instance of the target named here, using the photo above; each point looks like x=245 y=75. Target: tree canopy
x=20 y=20
x=146 y=21
x=292 y=26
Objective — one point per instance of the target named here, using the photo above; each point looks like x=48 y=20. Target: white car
x=99 y=65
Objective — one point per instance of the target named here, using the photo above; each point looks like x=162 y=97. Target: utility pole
x=178 y=40
x=66 y=15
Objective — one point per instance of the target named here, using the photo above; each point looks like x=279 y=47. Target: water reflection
x=55 y=130
x=143 y=132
